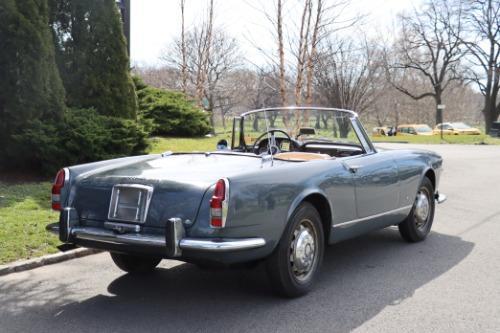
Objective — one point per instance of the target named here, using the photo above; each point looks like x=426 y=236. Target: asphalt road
x=376 y=283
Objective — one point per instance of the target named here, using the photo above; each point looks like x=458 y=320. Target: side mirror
x=222 y=145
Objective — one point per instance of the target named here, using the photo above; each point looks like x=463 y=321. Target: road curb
x=24 y=265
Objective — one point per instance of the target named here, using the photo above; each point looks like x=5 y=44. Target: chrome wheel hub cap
x=422 y=208
x=303 y=250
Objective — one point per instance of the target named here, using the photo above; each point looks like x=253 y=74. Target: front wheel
x=417 y=225
x=295 y=263
x=135 y=264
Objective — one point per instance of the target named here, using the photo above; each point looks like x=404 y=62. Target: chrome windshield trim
x=343 y=224
x=221 y=245
x=352 y=113
x=107 y=236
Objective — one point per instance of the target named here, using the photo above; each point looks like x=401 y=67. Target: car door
x=376 y=183
x=447 y=129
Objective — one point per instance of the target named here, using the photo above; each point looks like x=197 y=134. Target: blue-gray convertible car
x=289 y=182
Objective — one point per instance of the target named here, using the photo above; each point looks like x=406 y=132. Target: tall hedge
x=30 y=86
x=82 y=136
x=92 y=56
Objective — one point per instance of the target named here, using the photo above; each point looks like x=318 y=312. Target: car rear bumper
x=172 y=244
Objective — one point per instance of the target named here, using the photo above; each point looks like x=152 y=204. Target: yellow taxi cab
x=415 y=129
x=456 y=129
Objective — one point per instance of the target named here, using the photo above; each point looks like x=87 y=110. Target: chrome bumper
x=108 y=236
x=192 y=244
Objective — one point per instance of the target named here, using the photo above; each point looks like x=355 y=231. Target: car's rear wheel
x=417 y=225
x=135 y=264
x=295 y=263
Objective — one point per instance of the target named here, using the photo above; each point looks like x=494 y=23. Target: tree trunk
x=183 y=51
x=325 y=121
x=281 y=53
x=343 y=127
x=318 y=123
x=272 y=120
x=255 y=124
x=439 y=112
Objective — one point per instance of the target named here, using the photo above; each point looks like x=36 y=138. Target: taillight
x=56 y=189
x=219 y=204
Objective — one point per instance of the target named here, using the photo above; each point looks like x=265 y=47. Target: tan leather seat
x=301 y=156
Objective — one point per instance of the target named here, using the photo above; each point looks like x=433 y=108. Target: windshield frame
x=357 y=127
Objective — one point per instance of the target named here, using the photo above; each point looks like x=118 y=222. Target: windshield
x=460 y=126
x=304 y=125
x=423 y=129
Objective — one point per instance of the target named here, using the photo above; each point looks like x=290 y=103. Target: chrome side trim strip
x=343 y=224
x=221 y=245
x=107 y=236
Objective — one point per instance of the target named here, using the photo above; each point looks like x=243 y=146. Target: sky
x=156 y=23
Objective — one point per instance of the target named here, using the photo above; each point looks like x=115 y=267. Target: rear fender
x=301 y=198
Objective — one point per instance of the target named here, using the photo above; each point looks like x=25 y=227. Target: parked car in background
x=414 y=129
x=455 y=129
x=280 y=195
x=495 y=129
x=381 y=131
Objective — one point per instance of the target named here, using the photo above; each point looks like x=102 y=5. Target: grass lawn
x=25 y=206
x=436 y=139
x=160 y=145
x=24 y=213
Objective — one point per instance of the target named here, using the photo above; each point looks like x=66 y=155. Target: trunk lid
x=179 y=183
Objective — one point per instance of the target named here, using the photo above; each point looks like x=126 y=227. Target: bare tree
x=483 y=24
x=184 y=75
x=207 y=70
x=281 y=52
x=430 y=43
x=312 y=54
x=221 y=61
x=204 y=44
x=319 y=19
x=350 y=76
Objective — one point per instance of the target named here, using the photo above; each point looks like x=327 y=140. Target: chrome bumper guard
x=440 y=198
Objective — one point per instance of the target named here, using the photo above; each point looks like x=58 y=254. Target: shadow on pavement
x=359 y=279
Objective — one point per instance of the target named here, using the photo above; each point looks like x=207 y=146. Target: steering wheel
x=256 y=145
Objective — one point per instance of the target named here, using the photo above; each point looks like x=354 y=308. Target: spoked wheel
x=417 y=225
x=295 y=263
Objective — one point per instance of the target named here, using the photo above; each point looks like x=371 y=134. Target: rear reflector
x=56 y=189
x=219 y=204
